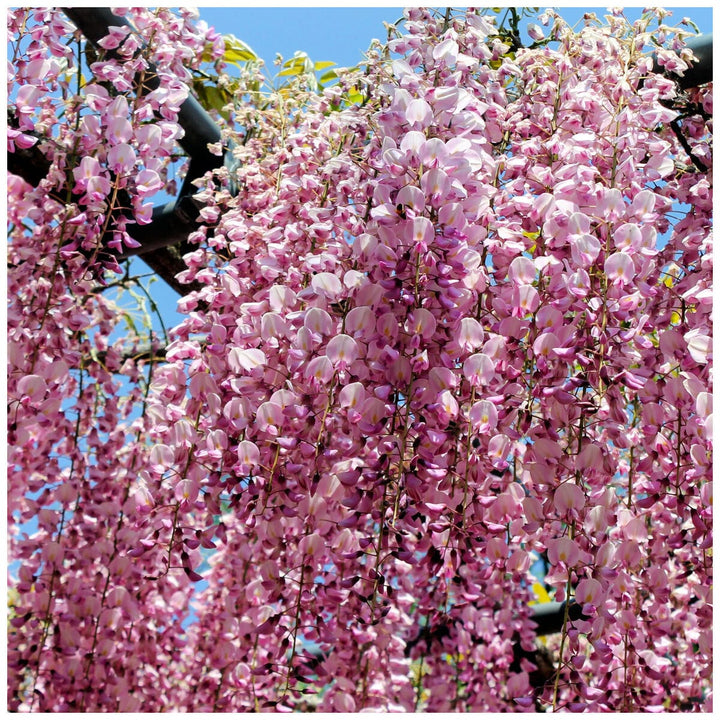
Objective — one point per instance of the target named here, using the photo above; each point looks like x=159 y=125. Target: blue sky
x=341 y=34
x=324 y=33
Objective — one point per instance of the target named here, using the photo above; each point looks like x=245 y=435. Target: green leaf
x=207 y=55
x=216 y=98
x=236 y=51
x=329 y=75
x=299 y=58
x=290 y=71
x=323 y=64
x=299 y=63
x=354 y=96
x=212 y=97
x=201 y=91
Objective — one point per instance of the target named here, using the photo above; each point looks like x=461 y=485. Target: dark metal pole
x=173 y=222
x=200 y=129
x=698 y=73
x=550 y=616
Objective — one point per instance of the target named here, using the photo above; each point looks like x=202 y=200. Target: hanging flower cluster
x=87 y=626
x=443 y=336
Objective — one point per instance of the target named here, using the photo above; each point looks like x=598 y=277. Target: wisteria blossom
x=443 y=335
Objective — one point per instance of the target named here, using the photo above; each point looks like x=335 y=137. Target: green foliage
x=212 y=96
x=218 y=94
x=236 y=51
x=302 y=68
x=238 y=78
x=300 y=72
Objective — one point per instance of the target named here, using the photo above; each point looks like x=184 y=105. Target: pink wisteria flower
x=342 y=351
x=447 y=353
x=569 y=499
x=91 y=179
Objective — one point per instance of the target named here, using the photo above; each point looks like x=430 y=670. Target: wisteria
x=444 y=335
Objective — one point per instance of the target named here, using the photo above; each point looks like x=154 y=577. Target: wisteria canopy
x=445 y=357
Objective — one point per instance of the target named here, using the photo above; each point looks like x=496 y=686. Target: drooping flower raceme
x=442 y=337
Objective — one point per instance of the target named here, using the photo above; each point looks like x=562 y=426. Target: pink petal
x=521 y=271
x=342 y=350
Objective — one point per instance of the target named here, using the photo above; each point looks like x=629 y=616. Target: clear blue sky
x=341 y=34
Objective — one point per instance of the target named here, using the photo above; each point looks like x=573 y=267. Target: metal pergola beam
x=172 y=223
x=700 y=72
x=549 y=618
x=200 y=129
